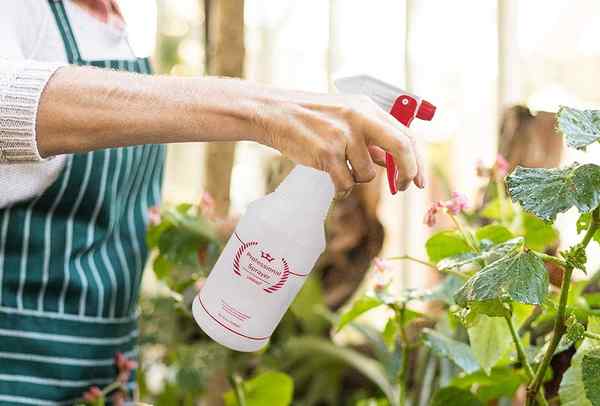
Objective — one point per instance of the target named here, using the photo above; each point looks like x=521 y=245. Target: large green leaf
x=580 y=127
x=490 y=340
x=519 y=276
x=451 y=396
x=307 y=303
x=445 y=244
x=579 y=386
x=268 y=388
x=490 y=255
x=547 y=192
x=458 y=352
x=362 y=305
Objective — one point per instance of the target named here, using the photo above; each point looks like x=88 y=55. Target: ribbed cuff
x=21 y=86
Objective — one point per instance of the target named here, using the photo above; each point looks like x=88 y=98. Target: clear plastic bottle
x=265 y=262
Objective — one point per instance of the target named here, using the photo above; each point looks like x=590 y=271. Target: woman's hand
x=328 y=131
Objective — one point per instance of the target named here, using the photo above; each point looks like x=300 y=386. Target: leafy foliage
x=445 y=244
x=458 y=352
x=580 y=127
x=547 y=192
x=519 y=276
x=490 y=340
x=579 y=386
x=268 y=388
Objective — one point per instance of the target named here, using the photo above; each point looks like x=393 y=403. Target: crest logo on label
x=267 y=256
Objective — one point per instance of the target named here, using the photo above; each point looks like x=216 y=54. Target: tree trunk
x=225 y=53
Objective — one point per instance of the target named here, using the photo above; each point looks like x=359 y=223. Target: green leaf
x=575 y=388
x=490 y=340
x=458 y=352
x=590 y=370
x=491 y=254
x=492 y=210
x=547 y=192
x=580 y=127
x=268 y=388
x=495 y=233
x=450 y=396
x=538 y=234
x=445 y=244
x=519 y=276
x=362 y=305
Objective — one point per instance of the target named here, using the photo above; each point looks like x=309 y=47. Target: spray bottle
x=279 y=239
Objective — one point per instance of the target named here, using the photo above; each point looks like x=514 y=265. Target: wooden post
x=225 y=54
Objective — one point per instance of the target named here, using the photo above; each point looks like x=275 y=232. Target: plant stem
x=423 y=262
x=522 y=356
x=559 y=323
x=550 y=258
x=238 y=389
x=466 y=235
x=411 y=258
x=519 y=347
x=403 y=377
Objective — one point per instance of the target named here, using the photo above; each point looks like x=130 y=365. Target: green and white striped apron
x=71 y=262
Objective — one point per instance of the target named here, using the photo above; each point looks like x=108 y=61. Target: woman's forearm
x=85 y=109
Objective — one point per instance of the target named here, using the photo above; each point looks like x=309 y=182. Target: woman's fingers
x=363 y=169
x=390 y=138
x=377 y=155
x=341 y=177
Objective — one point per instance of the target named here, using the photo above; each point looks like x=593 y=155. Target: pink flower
x=381 y=264
x=501 y=166
x=431 y=213
x=92 y=394
x=124 y=367
x=207 y=205
x=457 y=204
x=154 y=215
x=382 y=274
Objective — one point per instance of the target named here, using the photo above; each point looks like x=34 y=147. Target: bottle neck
x=306 y=191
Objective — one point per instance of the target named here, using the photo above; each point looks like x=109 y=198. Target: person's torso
x=71 y=259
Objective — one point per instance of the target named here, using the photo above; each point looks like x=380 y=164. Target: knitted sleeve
x=21 y=85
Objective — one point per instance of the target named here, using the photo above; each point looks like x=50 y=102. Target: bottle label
x=256 y=265
x=252 y=285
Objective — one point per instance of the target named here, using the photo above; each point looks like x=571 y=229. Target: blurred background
x=492 y=67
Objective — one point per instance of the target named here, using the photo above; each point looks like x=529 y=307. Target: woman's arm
x=84 y=109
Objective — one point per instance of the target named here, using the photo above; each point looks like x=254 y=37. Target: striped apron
x=71 y=261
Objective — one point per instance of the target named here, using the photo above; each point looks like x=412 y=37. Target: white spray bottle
x=277 y=242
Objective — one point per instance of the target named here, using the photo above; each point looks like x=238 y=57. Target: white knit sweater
x=31 y=50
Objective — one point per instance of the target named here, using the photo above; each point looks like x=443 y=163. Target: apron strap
x=66 y=31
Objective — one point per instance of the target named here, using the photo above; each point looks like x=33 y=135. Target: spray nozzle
x=399 y=103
